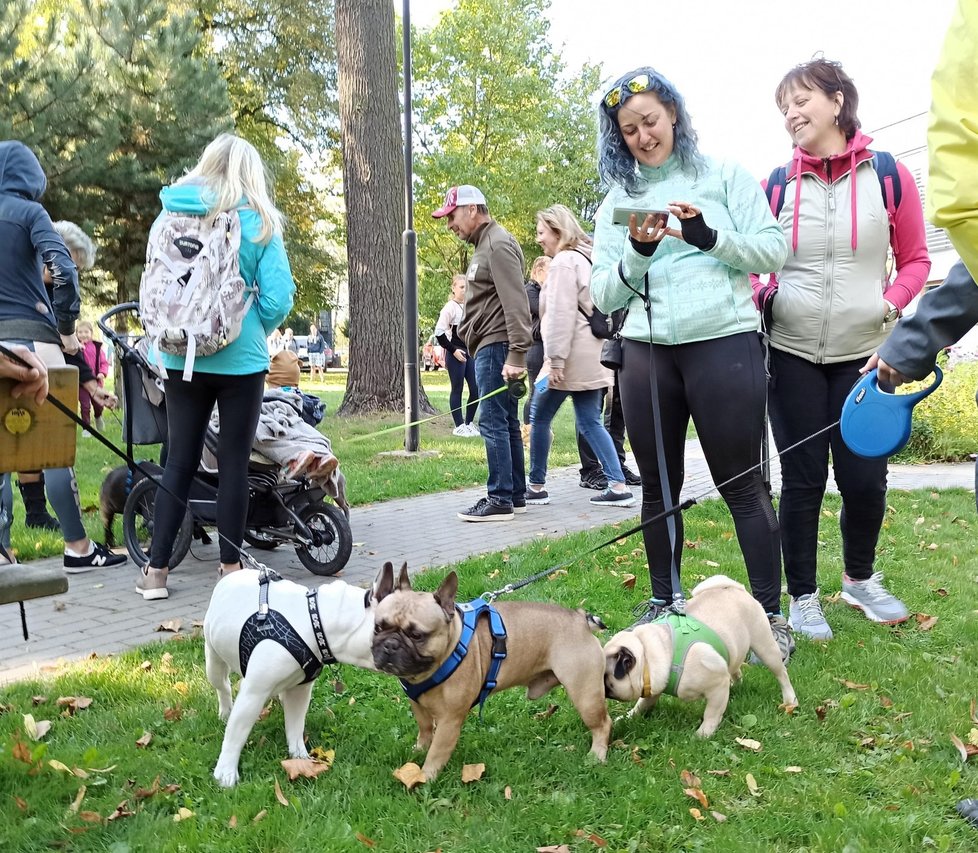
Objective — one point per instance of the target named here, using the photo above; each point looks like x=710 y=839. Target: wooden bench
x=21 y=582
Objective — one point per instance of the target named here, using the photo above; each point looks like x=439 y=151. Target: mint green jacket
x=695 y=295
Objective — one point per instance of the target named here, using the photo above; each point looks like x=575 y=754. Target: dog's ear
x=445 y=595
x=384 y=585
x=404 y=581
x=624 y=663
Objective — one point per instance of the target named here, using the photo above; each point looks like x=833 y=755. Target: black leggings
x=188 y=409
x=460 y=373
x=720 y=384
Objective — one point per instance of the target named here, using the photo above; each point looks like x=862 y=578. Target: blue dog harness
x=470 y=614
x=269 y=624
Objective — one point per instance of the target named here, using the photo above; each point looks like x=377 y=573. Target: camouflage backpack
x=192 y=298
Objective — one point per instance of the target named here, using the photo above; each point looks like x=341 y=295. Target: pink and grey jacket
x=829 y=304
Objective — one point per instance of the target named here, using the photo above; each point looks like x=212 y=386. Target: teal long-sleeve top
x=694 y=295
x=263 y=264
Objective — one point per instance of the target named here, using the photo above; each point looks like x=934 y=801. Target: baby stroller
x=280 y=508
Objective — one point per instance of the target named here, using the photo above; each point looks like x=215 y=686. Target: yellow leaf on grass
x=554 y=848
x=181 y=688
x=309 y=768
x=852 y=685
x=182 y=814
x=792 y=769
x=697 y=814
x=76 y=804
x=260 y=816
x=74 y=703
x=410 y=775
x=508 y=793
x=973 y=737
x=145 y=740
x=713 y=565
x=749 y=743
x=279 y=795
x=472 y=772
x=689 y=779
x=369 y=842
x=57 y=765
x=752 y=785
x=36 y=729
x=233 y=822
x=698 y=795
x=925 y=621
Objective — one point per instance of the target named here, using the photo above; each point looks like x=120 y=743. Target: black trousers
x=188 y=409
x=720 y=384
x=804 y=398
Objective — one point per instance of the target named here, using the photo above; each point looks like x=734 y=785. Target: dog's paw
x=227 y=777
x=299 y=751
x=224 y=713
x=706 y=731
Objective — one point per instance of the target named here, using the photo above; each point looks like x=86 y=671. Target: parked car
x=432 y=355
x=302 y=352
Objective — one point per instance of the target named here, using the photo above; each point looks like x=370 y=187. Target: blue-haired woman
x=706 y=361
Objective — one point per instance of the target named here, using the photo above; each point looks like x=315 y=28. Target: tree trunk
x=373 y=189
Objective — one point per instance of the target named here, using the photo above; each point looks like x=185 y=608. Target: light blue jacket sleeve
x=275 y=285
x=611 y=246
x=756 y=242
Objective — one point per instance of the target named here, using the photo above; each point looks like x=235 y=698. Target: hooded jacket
x=265 y=264
x=30 y=242
x=830 y=292
x=568 y=342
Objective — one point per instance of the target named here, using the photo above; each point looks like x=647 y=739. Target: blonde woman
x=571 y=358
x=229 y=176
x=458 y=363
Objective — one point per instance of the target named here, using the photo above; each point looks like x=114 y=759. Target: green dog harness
x=685 y=631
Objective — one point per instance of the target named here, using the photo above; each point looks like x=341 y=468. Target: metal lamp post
x=410 y=263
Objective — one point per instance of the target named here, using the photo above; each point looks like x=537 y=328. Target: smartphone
x=621 y=214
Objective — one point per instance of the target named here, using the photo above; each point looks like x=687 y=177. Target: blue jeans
x=587 y=413
x=499 y=424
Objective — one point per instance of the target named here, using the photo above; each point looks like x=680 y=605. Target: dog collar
x=686 y=630
x=470 y=614
x=646 y=684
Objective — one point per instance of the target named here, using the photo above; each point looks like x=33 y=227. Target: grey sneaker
x=609 y=497
x=151 y=584
x=537 y=497
x=874 y=599
x=782 y=635
x=805 y=617
x=647 y=611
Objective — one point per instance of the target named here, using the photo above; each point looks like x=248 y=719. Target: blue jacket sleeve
x=66 y=299
x=275 y=285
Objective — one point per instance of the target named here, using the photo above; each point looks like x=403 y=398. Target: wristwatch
x=892 y=314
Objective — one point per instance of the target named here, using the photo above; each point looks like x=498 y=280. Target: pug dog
x=638 y=661
x=346 y=614
x=547 y=645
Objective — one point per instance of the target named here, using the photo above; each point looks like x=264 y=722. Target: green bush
x=945 y=424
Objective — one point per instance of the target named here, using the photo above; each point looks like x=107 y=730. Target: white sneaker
x=805 y=617
x=461 y=430
x=473 y=431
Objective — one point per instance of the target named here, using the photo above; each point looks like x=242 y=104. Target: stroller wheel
x=137 y=526
x=333 y=539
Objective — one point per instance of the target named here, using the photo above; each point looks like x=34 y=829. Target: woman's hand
x=69 y=343
x=886 y=374
x=556 y=375
x=459 y=355
x=695 y=231
x=101 y=396
x=652 y=229
x=31 y=381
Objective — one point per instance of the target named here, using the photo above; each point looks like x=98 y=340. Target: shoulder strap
x=886 y=170
x=775 y=189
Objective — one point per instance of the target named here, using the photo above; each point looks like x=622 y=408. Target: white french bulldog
x=347 y=620
x=638 y=662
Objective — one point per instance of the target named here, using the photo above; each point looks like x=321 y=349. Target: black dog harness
x=470 y=614
x=269 y=624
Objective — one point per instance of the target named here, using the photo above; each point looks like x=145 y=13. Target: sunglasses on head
x=634 y=85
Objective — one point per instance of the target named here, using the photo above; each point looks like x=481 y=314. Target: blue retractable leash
x=876 y=423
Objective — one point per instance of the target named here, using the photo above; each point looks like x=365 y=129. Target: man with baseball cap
x=496 y=329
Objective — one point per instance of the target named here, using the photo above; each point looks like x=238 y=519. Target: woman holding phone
x=690 y=342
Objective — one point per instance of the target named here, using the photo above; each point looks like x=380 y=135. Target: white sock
x=70 y=552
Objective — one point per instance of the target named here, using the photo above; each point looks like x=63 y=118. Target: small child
x=94 y=354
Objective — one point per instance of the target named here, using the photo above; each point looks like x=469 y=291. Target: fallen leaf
x=974 y=719
x=21 y=803
x=171 y=715
x=369 y=842
x=36 y=729
x=172 y=625
x=718 y=772
x=886 y=701
x=121 y=810
x=852 y=684
x=554 y=848
x=689 y=779
x=260 y=816
x=76 y=803
x=90 y=817
x=508 y=793
x=628 y=581
x=57 y=765
x=472 y=772
x=712 y=564
x=182 y=814
x=73 y=703
x=144 y=793
x=698 y=795
x=308 y=768
x=868 y=742
x=964 y=750
x=233 y=822
x=38 y=700
x=320 y=754
x=752 y=785
x=788 y=708
x=973 y=737
x=181 y=687
x=146 y=666
x=820 y=713
x=924 y=621
x=279 y=795
x=718 y=817
x=749 y=743
x=410 y=775
x=697 y=814
x=145 y=740
x=549 y=712
x=792 y=769
x=21 y=752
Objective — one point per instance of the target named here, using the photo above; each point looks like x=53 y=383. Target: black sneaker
x=594 y=480
x=535 y=496
x=609 y=497
x=631 y=478
x=647 y=611
x=519 y=505
x=486 y=511
x=101 y=557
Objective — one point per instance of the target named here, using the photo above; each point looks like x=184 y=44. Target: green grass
x=878 y=770
x=370 y=477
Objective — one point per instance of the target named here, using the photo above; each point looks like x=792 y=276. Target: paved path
x=101 y=613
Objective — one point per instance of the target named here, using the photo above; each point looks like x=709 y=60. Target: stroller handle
x=103 y=321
